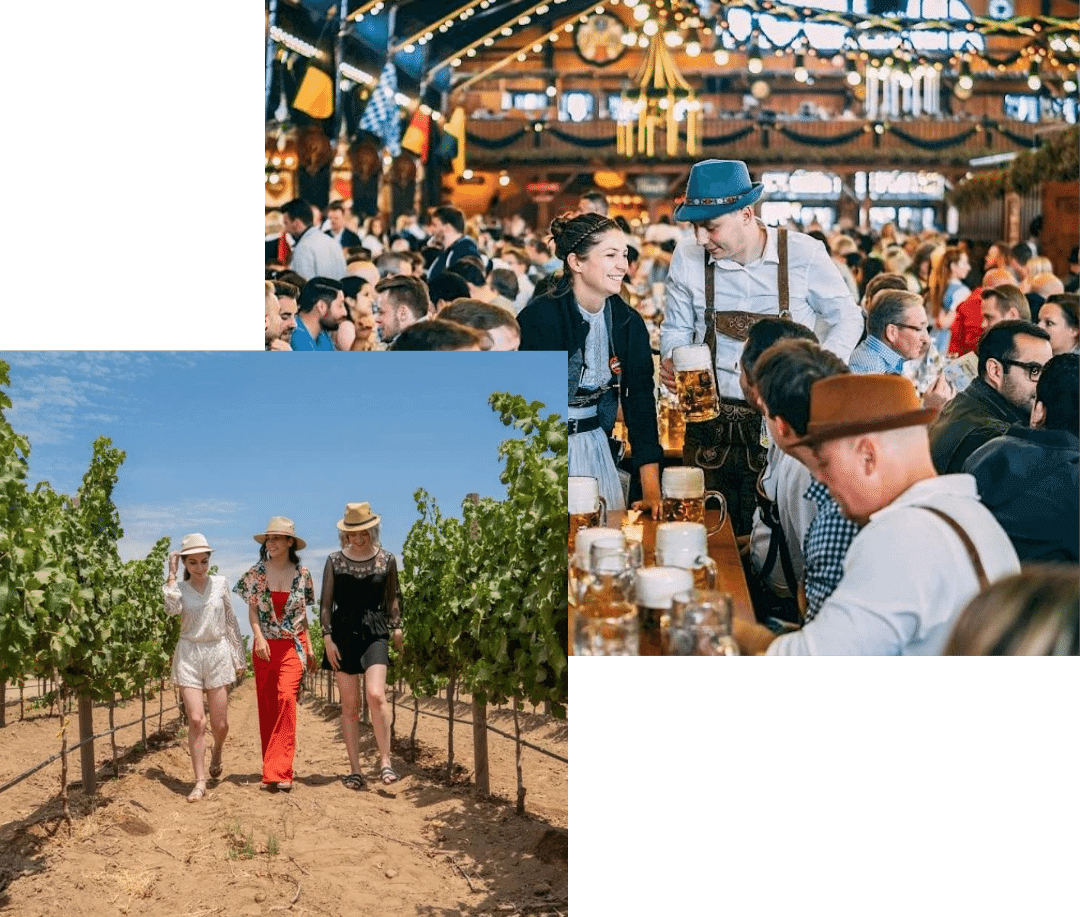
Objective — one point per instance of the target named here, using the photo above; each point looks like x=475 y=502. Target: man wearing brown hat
x=732 y=272
x=928 y=544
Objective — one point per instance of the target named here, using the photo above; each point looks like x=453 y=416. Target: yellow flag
x=455 y=127
x=315 y=96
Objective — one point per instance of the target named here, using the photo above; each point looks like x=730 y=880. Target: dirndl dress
x=590 y=455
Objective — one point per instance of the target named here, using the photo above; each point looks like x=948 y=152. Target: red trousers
x=276 y=682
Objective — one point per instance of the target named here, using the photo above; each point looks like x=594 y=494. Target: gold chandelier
x=658 y=98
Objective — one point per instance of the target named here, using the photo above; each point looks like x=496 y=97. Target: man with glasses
x=897 y=330
x=1011 y=357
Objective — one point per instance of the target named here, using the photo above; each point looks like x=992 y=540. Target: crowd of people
x=360 y=613
x=422 y=287
x=903 y=435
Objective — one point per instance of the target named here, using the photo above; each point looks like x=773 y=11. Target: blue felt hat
x=716 y=187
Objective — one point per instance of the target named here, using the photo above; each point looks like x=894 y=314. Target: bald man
x=927 y=544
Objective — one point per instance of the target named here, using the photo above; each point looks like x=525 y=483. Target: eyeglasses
x=925 y=328
x=1034 y=370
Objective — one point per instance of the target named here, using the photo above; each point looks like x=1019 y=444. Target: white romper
x=210 y=651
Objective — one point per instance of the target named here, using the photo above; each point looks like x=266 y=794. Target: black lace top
x=359 y=593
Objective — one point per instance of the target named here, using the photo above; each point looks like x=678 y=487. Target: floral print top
x=253 y=584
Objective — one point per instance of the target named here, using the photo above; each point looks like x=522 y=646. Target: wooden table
x=729 y=572
x=721 y=549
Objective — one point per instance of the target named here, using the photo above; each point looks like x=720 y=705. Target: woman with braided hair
x=609 y=358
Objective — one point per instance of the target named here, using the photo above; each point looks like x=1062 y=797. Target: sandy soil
x=418 y=847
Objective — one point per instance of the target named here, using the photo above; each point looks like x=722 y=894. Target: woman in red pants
x=278 y=590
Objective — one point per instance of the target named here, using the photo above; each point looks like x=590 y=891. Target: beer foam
x=586 y=538
x=656 y=585
x=582 y=495
x=691 y=356
x=680 y=537
x=683 y=483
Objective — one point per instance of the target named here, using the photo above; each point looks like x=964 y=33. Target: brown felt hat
x=850 y=404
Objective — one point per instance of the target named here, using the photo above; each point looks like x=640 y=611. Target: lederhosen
x=728 y=449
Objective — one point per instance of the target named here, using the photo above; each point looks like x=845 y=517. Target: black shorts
x=357 y=659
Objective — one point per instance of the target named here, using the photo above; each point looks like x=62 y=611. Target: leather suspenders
x=737 y=324
x=969 y=545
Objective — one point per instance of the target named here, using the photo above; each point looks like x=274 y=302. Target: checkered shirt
x=824 y=547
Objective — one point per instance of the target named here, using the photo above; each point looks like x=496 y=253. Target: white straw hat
x=195 y=543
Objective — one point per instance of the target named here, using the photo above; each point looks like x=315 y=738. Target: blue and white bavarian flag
x=381 y=116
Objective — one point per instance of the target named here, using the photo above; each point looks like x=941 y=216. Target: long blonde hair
x=1033 y=613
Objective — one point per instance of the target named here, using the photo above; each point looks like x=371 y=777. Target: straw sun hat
x=195 y=543
x=280 y=525
x=358 y=516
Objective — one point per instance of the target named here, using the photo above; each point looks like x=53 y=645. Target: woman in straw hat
x=360 y=612
x=278 y=590
x=210 y=654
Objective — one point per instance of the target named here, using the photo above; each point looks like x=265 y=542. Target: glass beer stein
x=585 y=506
x=699 y=624
x=684 y=494
x=606 y=621
x=695 y=382
x=579 y=560
x=653 y=591
x=682 y=544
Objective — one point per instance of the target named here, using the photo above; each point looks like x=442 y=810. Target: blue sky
x=220 y=442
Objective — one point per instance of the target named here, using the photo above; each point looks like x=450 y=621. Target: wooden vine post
x=86 y=749
x=479 y=711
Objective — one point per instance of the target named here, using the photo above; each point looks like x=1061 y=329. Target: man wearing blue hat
x=734 y=271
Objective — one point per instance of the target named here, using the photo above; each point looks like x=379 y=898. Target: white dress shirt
x=818 y=299
x=907 y=576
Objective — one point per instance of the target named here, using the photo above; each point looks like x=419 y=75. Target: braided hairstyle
x=577 y=235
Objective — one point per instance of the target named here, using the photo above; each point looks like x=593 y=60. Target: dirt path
x=418 y=847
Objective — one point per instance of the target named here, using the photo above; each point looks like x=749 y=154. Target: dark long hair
x=576 y=235
x=293 y=556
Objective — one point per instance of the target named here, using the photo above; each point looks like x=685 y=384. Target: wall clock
x=599 y=39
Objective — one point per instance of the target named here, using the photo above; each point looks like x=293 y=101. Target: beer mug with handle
x=606 y=623
x=695 y=382
x=685 y=496
x=682 y=544
x=587 y=509
x=653 y=592
x=700 y=625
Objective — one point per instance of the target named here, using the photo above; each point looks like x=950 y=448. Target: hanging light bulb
x=801 y=73
x=1034 y=81
x=852 y=76
x=753 y=64
x=693 y=43
x=965 y=82
x=721 y=57
x=673 y=39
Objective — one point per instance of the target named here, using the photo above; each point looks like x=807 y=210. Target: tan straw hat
x=850 y=404
x=280 y=525
x=358 y=516
x=195 y=543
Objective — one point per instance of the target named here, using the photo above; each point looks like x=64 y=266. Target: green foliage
x=1056 y=160
x=68 y=605
x=483 y=594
